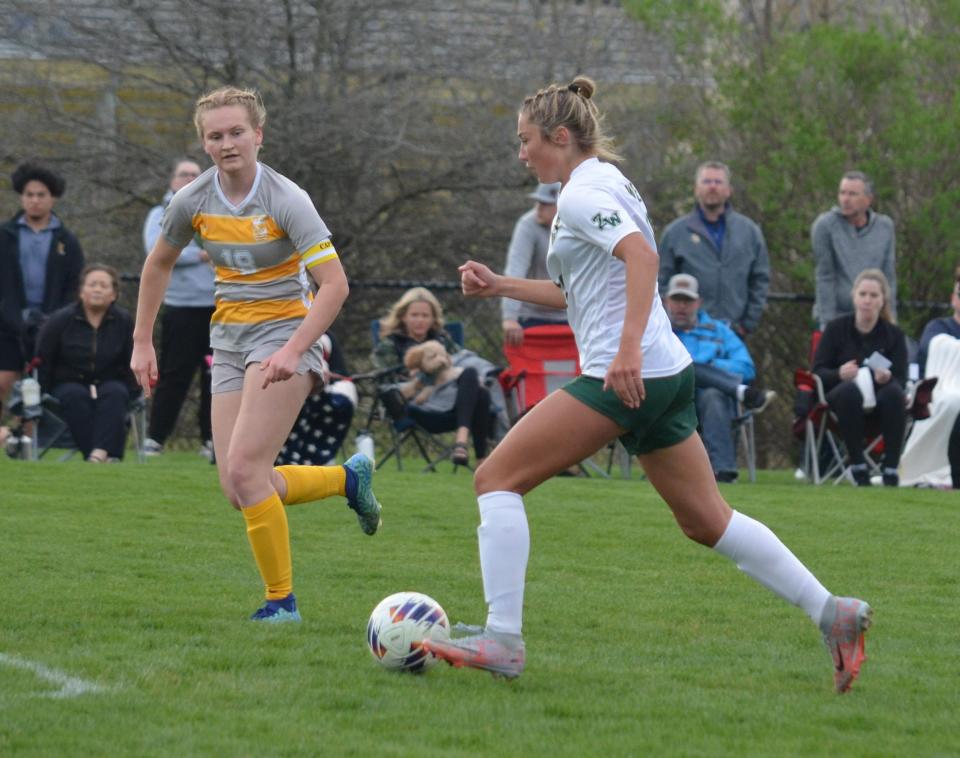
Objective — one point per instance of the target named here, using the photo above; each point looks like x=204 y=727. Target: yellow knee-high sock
x=270 y=539
x=306 y=483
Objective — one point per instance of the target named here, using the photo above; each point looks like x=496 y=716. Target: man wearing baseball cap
x=723 y=369
x=527 y=259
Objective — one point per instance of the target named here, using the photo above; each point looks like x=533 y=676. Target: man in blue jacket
x=723 y=369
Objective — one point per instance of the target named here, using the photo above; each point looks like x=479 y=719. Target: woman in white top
x=637 y=385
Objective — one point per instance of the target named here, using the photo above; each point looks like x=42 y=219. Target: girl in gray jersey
x=265 y=238
x=637 y=385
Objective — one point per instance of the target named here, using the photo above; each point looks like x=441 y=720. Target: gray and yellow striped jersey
x=261 y=249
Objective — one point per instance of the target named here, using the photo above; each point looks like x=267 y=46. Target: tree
x=794 y=93
x=398 y=118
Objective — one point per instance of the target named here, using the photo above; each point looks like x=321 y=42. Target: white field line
x=70 y=686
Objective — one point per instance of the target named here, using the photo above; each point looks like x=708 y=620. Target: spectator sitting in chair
x=723 y=367
x=858 y=383
x=85 y=351
x=439 y=402
x=932 y=452
x=416 y=318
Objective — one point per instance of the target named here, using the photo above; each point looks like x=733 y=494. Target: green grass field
x=127 y=590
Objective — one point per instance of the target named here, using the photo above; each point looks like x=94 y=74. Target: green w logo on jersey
x=603 y=222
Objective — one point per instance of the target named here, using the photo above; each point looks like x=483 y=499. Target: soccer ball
x=399 y=624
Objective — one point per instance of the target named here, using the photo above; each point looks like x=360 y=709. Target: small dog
x=434 y=366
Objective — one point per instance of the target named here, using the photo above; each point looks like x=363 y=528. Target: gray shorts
x=229 y=367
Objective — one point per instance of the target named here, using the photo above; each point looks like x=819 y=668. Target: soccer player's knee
x=490 y=478
x=480 y=479
x=485 y=479
x=228 y=492
x=700 y=532
x=236 y=477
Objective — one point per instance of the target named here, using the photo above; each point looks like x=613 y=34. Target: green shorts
x=666 y=417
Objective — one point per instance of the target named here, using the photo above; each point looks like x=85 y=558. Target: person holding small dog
x=443 y=396
x=464 y=405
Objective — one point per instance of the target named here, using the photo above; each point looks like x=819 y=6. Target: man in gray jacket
x=847 y=239
x=723 y=249
x=527 y=259
x=184 y=327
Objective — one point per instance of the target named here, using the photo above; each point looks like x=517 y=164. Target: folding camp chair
x=390 y=406
x=546 y=360
x=50 y=431
x=60 y=438
x=743 y=427
x=823 y=455
x=817 y=429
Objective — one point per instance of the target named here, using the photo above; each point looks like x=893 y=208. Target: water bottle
x=30 y=392
x=365 y=444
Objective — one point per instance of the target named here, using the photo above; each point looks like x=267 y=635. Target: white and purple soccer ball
x=399 y=625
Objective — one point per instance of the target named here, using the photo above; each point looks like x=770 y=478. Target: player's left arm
x=332 y=291
x=598 y=216
x=624 y=375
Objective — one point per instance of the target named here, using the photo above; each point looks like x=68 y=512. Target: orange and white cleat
x=502 y=655
x=844 y=639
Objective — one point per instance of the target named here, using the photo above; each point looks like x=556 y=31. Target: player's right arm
x=153 y=284
x=478 y=280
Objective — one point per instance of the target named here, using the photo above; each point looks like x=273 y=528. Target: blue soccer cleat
x=278 y=611
x=360 y=495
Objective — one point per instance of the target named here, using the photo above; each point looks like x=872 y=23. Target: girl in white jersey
x=264 y=237
x=637 y=385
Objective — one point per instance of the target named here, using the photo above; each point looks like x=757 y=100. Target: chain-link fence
x=779 y=347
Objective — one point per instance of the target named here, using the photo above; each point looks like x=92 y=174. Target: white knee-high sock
x=504 y=539
x=760 y=554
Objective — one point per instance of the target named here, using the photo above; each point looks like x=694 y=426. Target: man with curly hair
x=40 y=264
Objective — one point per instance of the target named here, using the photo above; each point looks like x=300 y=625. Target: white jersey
x=597 y=208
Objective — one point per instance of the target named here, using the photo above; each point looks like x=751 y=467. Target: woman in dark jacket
x=844 y=352
x=85 y=351
x=414 y=319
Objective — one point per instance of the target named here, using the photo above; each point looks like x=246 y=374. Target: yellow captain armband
x=319 y=253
